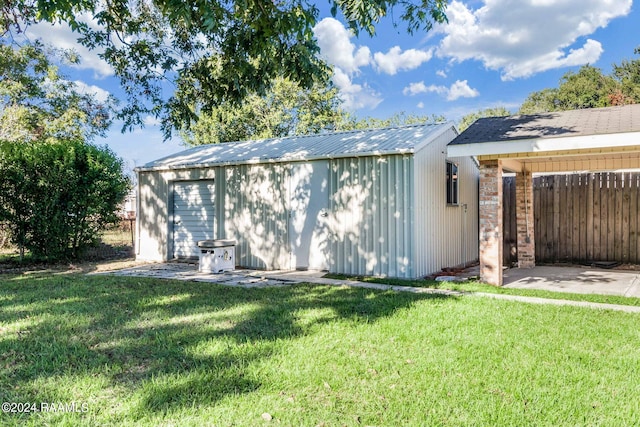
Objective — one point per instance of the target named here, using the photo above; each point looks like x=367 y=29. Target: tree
x=57 y=196
x=488 y=112
x=211 y=51
x=628 y=75
x=588 y=88
x=397 y=119
x=58 y=191
x=286 y=110
x=540 y=102
x=37 y=103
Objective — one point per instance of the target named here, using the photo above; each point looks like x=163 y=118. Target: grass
x=474 y=286
x=163 y=353
x=117 y=237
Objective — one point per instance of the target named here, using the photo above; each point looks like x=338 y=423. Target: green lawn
x=154 y=352
x=474 y=286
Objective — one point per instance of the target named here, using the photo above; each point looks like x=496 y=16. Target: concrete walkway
x=559 y=279
x=579 y=280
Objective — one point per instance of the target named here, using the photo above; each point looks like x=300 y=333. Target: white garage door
x=193 y=216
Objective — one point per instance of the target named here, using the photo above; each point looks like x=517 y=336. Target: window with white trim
x=452 y=183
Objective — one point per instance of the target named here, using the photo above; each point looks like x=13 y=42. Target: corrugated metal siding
x=371 y=216
x=309 y=207
x=152 y=217
x=154 y=222
x=256 y=214
x=446 y=236
x=387 y=214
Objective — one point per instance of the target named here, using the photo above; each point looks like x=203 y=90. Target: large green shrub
x=57 y=197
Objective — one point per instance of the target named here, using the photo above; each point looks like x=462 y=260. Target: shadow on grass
x=173 y=343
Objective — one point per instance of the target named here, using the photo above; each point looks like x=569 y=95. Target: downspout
x=464 y=236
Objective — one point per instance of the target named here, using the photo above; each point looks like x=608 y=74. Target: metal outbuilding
x=383 y=202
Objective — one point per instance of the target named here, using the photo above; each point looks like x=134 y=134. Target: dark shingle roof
x=592 y=121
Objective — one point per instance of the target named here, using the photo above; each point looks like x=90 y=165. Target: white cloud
x=151 y=121
x=355 y=96
x=348 y=59
x=100 y=94
x=523 y=38
x=589 y=53
x=420 y=87
x=336 y=47
x=395 y=60
x=61 y=36
x=459 y=89
x=420 y=105
x=441 y=73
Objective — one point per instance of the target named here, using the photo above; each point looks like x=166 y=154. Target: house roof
x=560 y=124
x=588 y=139
x=392 y=140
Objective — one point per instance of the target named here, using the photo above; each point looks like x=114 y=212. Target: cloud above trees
x=337 y=49
x=459 y=89
x=62 y=36
x=521 y=38
x=515 y=38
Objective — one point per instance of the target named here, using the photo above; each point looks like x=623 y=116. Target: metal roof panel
x=392 y=140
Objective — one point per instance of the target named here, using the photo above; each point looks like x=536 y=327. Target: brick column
x=524 y=220
x=491 y=222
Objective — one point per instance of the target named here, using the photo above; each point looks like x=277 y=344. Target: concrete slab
x=188 y=271
x=580 y=280
x=562 y=279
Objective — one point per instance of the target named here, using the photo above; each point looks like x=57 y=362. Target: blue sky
x=491 y=53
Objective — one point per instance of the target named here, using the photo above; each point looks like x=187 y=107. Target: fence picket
x=581 y=218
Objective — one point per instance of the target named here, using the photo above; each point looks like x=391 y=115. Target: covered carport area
x=575 y=279
x=589 y=140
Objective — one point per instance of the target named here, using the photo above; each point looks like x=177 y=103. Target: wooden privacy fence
x=580 y=218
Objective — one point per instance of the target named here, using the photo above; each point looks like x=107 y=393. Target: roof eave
x=541 y=145
x=270 y=161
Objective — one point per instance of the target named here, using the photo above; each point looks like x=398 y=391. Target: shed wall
x=256 y=214
x=155 y=216
x=367 y=227
x=254 y=205
x=445 y=235
x=371 y=218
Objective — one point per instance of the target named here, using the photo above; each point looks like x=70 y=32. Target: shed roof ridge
x=357 y=142
x=321 y=134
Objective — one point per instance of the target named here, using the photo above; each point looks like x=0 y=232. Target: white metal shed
x=384 y=202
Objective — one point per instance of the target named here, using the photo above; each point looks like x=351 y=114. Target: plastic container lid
x=218 y=243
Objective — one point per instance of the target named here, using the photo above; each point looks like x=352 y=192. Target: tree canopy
x=588 y=88
x=38 y=103
x=398 y=119
x=487 y=112
x=58 y=190
x=627 y=73
x=57 y=197
x=287 y=109
x=211 y=52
